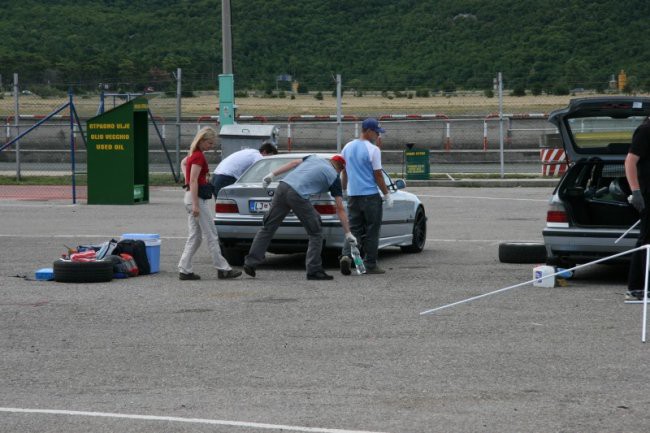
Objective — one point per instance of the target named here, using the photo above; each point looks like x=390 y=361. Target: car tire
x=82 y=272
x=522 y=252
x=419 y=233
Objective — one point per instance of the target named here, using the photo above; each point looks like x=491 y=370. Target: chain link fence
x=464 y=131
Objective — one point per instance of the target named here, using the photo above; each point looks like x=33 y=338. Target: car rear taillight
x=325 y=208
x=557 y=216
x=226 y=206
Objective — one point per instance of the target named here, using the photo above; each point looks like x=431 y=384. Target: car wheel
x=419 y=233
x=82 y=272
x=522 y=252
x=235 y=256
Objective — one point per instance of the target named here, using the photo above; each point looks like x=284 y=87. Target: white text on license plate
x=257 y=206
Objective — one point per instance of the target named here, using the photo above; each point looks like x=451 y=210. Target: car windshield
x=603 y=134
x=263 y=167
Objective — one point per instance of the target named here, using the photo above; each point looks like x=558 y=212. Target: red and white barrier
x=554 y=162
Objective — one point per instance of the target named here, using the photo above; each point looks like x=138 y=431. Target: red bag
x=128 y=265
x=86 y=256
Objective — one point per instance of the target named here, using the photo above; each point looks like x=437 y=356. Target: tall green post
x=226 y=99
x=118 y=155
x=226 y=79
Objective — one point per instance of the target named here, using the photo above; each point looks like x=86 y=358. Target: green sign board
x=118 y=155
x=417 y=163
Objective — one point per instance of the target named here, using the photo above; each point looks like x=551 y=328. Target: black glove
x=636 y=200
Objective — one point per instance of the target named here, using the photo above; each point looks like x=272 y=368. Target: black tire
x=234 y=256
x=522 y=252
x=419 y=233
x=82 y=272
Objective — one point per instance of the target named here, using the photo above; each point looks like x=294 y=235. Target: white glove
x=351 y=239
x=388 y=198
x=267 y=180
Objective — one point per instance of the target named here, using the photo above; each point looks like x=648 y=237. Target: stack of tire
x=522 y=252
x=66 y=271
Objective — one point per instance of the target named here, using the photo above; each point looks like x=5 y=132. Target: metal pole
x=500 y=79
x=227 y=106
x=178 y=119
x=339 y=125
x=226 y=36
x=17 y=123
x=72 y=158
x=627 y=231
x=101 y=100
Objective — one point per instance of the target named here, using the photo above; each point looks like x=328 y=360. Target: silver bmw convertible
x=241 y=206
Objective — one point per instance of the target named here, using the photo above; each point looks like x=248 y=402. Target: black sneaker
x=319 y=275
x=375 y=270
x=346 y=265
x=190 y=276
x=249 y=270
x=634 y=295
x=225 y=275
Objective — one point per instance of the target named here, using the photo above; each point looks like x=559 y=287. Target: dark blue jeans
x=285 y=200
x=219 y=181
x=365 y=214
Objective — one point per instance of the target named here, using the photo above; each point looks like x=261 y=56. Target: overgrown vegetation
x=437 y=45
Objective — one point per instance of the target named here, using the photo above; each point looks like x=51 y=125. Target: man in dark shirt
x=637 y=172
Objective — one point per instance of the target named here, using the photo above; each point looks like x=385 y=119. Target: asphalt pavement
x=280 y=353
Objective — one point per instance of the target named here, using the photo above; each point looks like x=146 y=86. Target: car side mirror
x=400 y=184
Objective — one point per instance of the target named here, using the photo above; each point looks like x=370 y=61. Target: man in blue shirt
x=364 y=179
x=310 y=175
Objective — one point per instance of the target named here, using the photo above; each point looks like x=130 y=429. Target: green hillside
x=375 y=45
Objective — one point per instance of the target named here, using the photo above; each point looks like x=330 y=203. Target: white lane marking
x=180 y=419
x=6 y=235
x=14 y=235
x=467 y=240
x=462 y=197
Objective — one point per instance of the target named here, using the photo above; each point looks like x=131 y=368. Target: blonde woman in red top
x=198 y=203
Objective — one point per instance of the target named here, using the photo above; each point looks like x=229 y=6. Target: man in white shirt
x=234 y=165
x=363 y=178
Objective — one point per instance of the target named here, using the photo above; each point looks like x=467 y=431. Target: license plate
x=258 y=206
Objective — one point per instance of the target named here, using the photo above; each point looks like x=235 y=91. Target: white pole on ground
x=627 y=231
x=645 y=298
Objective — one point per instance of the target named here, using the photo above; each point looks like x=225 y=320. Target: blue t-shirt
x=314 y=175
x=362 y=158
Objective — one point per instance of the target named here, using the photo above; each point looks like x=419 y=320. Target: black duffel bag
x=136 y=249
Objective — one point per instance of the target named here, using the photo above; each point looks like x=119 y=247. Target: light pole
x=226 y=79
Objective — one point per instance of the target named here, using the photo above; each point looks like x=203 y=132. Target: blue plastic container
x=45 y=274
x=152 y=244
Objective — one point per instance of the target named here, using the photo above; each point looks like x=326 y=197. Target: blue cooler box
x=152 y=244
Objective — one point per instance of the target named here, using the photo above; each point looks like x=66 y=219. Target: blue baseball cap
x=372 y=124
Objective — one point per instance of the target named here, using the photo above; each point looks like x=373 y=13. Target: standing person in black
x=637 y=172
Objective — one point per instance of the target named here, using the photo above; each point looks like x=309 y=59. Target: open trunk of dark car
x=595 y=194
